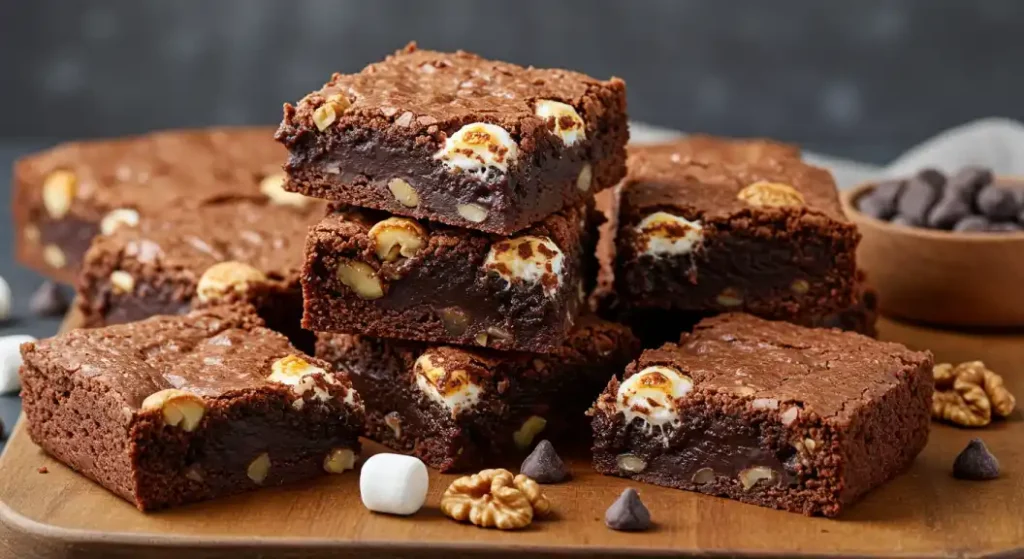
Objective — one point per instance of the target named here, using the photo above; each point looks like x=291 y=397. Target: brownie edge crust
x=767 y=413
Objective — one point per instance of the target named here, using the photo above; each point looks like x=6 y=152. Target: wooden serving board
x=923 y=513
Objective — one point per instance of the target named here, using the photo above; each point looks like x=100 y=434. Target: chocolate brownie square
x=176 y=409
x=459 y=408
x=65 y=196
x=458 y=139
x=710 y=235
x=394 y=277
x=769 y=413
x=243 y=249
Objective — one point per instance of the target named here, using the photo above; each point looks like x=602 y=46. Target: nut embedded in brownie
x=461 y=408
x=395 y=277
x=177 y=409
x=769 y=413
x=243 y=249
x=458 y=139
x=67 y=195
x=706 y=235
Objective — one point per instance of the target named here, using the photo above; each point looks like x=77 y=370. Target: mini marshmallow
x=668 y=234
x=5 y=300
x=453 y=389
x=651 y=395
x=10 y=362
x=393 y=483
x=528 y=259
x=569 y=125
x=477 y=147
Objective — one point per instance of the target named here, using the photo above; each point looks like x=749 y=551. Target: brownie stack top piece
x=458 y=139
x=177 y=409
x=767 y=412
x=65 y=196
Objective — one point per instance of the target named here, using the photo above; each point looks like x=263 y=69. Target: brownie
x=65 y=196
x=769 y=413
x=459 y=408
x=766 y=236
x=176 y=409
x=394 y=277
x=458 y=139
x=237 y=249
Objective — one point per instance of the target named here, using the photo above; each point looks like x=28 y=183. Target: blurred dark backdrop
x=862 y=79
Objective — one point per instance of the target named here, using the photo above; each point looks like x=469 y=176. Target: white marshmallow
x=10 y=362
x=651 y=395
x=477 y=147
x=570 y=132
x=5 y=300
x=393 y=483
x=670 y=234
x=544 y=259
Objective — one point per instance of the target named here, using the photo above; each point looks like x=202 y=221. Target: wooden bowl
x=941 y=277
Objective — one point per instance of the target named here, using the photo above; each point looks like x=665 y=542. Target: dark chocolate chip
x=972 y=223
x=948 y=212
x=917 y=199
x=933 y=177
x=544 y=465
x=1005 y=227
x=875 y=206
x=628 y=513
x=996 y=202
x=966 y=183
x=904 y=221
x=888 y=191
x=976 y=462
x=48 y=300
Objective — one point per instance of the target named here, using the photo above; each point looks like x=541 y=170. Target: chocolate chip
x=917 y=199
x=967 y=181
x=904 y=221
x=888 y=191
x=544 y=465
x=972 y=223
x=948 y=212
x=997 y=203
x=48 y=300
x=933 y=177
x=1005 y=227
x=875 y=206
x=628 y=513
x=976 y=462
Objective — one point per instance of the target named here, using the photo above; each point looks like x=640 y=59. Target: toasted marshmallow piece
x=528 y=259
x=651 y=394
x=454 y=389
x=477 y=147
x=569 y=126
x=668 y=234
x=393 y=483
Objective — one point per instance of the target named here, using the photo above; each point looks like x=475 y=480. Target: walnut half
x=494 y=499
x=969 y=394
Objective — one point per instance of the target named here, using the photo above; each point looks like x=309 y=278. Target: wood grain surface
x=923 y=513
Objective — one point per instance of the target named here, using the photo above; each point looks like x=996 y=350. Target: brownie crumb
x=975 y=462
x=43 y=470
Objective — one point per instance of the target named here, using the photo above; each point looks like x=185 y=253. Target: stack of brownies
x=462 y=219
x=420 y=274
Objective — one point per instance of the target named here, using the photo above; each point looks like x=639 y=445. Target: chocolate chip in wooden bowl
x=972 y=223
x=933 y=177
x=968 y=181
x=917 y=199
x=544 y=465
x=997 y=203
x=948 y=212
x=628 y=513
x=975 y=462
x=48 y=300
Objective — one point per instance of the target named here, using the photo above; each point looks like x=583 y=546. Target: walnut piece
x=338 y=460
x=764 y=194
x=226 y=277
x=361 y=278
x=494 y=499
x=969 y=394
x=473 y=213
x=404 y=192
x=397 y=237
x=59 y=190
x=180 y=408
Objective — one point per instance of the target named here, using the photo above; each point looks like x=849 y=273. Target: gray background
x=863 y=80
